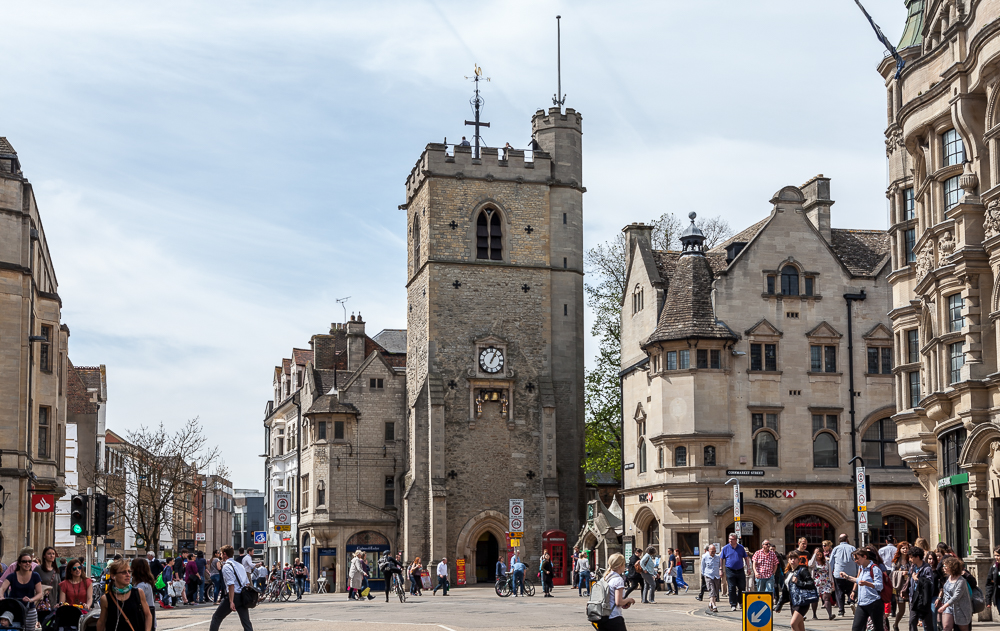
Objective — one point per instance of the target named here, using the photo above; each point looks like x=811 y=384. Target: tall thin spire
x=558 y=100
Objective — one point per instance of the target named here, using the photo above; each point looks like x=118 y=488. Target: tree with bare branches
x=155 y=474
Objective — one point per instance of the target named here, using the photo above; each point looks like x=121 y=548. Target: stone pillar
x=979 y=519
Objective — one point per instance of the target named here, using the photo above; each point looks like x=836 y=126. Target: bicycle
x=397 y=587
x=505 y=586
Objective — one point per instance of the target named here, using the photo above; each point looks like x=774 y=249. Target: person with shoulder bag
x=241 y=596
x=955 y=603
x=123 y=603
x=921 y=590
x=802 y=589
x=607 y=598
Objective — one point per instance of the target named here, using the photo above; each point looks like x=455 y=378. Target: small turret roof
x=913 y=31
x=688 y=312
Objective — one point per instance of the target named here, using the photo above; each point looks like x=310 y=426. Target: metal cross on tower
x=477 y=105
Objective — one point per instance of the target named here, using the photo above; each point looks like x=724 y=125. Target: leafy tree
x=605 y=266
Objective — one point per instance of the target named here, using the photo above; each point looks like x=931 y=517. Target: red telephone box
x=554 y=542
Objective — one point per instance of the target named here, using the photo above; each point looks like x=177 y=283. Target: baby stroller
x=64 y=618
x=16 y=608
x=89 y=621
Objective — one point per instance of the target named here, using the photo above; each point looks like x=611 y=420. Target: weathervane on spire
x=477 y=105
x=558 y=100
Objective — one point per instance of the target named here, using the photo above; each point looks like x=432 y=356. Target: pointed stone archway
x=487 y=522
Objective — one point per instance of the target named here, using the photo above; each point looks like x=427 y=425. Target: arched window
x=489 y=236
x=790 y=281
x=416 y=242
x=825 y=453
x=708 y=459
x=653 y=533
x=765 y=449
x=680 y=456
x=642 y=456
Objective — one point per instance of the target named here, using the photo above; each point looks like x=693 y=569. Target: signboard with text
x=516 y=515
x=460 y=571
x=862 y=494
x=282 y=510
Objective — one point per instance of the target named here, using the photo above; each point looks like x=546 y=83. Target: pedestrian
x=415 y=569
x=583 y=571
x=356 y=577
x=302 y=576
x=789 y=564
x=235 y=580
x=248 y=562
x=803 y=589
x=671 y=571
x=24 y=584
x=823 y=579
x=632 y=577
x=842 y=562
x=869 y=583
x=156 y=569
x=364 y=579
x=679 y=575
x=49 y=574
x=921 y=590
x=122 y=601
x=576 y=571
x=548 y=574
x=900 y=582
x=442 y=576
x=955 y=602
x=501 y=569
x=193 y=580
x=921 y=543
x=711 y=571
x=993 y=581
x=734 y=556
x=167 y=598
x=202 y=575
x=518 y=568
x=215 y=575
x=143 y=580
x=259 y=578
x=76 y=589
x=888 y=551
x=616 y=594
x=764 y=562
x=647 y=568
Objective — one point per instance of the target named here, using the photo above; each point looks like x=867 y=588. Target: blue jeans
x=201 y=591
x=300 y=585
x=584 y=582
x=679 y=579
x=217 y=580
x=766 y=584
x=518 y=582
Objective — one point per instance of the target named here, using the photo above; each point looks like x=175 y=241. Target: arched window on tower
x=790 y=281
x=416 y=243
x=489 y=236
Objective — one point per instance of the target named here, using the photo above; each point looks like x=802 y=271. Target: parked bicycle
x=279 y=589
x=505 y=585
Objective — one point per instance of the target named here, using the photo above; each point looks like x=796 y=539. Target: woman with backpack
x=611 y=590
x=955 y=602
x=802 y=588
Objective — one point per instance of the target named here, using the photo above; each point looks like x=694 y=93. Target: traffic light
x=101 y=515
x=79 y=526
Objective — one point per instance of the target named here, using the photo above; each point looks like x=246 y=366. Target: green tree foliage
x=605 y=267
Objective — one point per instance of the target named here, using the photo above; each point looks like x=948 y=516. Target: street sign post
x=259 y=538
x=862 y=495
x=282 y=511
x=757 y=611
x=736 y=510
x=516 y=516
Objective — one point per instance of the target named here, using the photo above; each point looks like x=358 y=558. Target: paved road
x=472 y=608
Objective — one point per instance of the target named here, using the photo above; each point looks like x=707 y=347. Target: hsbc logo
x=766 y=494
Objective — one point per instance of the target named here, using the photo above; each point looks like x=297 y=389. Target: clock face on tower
x=491 y=360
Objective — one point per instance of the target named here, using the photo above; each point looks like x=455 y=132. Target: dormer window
x=489 y=235
x=789 y=281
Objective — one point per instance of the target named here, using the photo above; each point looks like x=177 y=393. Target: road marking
x=188 y=626
x=445 y=628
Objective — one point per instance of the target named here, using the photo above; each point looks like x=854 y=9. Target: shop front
x=953 y=486
x=372 y=544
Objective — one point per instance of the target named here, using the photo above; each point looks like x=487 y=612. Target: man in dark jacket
x=202 y=565
x=155 y=568
x=921 y=591
x=632 y=575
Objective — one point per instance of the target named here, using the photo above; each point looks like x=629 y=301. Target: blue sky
x=212 y=176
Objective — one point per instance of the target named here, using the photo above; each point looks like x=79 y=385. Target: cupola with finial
x=692 y=239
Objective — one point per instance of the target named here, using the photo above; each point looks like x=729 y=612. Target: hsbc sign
x=766 y=494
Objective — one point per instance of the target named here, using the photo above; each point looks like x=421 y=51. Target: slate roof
x=5 y=147
x=741 y=237
x=301 y=356
x=330 y=404
x=392 y=340
x=861 y=251
x=688 y=311
x=324 y=379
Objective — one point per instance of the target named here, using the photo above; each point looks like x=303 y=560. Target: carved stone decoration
x=991 y=221
x=893 y=139
x=992 y=459
x=946 y=244
x=969 y=180
x=925 y=260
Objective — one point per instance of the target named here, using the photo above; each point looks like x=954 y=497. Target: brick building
x=495 y=346
x=337 y=422
x=739 y=357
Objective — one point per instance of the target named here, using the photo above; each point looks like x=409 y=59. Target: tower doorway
x=487 y=553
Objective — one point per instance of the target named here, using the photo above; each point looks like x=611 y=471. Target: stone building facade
x=33 y=364
x=343 y=421
x=944 y=165
x=737 y=358
x=495 y=345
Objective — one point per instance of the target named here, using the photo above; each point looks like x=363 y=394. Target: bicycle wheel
x=398 y=586
x=286 y=591
x=503 y=588
x=529 y=588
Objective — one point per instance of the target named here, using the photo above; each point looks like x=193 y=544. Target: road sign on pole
x=736 y=511
x=862 y=495
x=757 y=612
x=259 y=538
x=516 y=515
x=282 y=510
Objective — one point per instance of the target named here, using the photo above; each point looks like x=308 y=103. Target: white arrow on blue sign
x=759 y=614
x=259 y=537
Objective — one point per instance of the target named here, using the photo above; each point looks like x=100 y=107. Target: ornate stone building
x=739 y=358
x=944 y=165
x=495 y=345
x=33 y=365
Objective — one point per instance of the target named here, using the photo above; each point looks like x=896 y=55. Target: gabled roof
x=6 y=148
x=688 y=312
x=863 y=252
x=392 y=340
x=301 y=356
x=330 y=404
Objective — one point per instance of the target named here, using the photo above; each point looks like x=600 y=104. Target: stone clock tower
x=495 y=345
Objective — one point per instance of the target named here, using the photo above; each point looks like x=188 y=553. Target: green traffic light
x=77 y=529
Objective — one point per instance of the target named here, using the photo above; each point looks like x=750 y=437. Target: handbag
x=978 y=599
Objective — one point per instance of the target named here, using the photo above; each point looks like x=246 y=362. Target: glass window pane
x=891 y=456
x=709 y=458
x=756 y=421
x=765 y=449
x=671 y=360
x=825 y=451
x=817 y=422
x=684 y=360
x=770 y=284
x=910 y=241
x=809 y=285
x=702 y=358
x=772 y=421
x=909 y=205
x=952 y=193
x=816 y=358
x=716 y=359
x=771 y=357
x=680 y=457
x=957 y=360
x=832 y=422
x=789 y=281
x=831 y=358
x=914 y=378
x=886 y=361
x=872 y=361
x=872 y=453
x=913 y=345
x=756 y=362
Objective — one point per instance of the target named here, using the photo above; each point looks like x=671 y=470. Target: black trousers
x=874 y=611
x=737 y=580
x=442 y=585
x=844 y=587
x=634 y=583
x=224 y=610
x=927 y=617
x=610 y=624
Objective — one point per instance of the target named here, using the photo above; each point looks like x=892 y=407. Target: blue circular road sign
x=758 y=614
